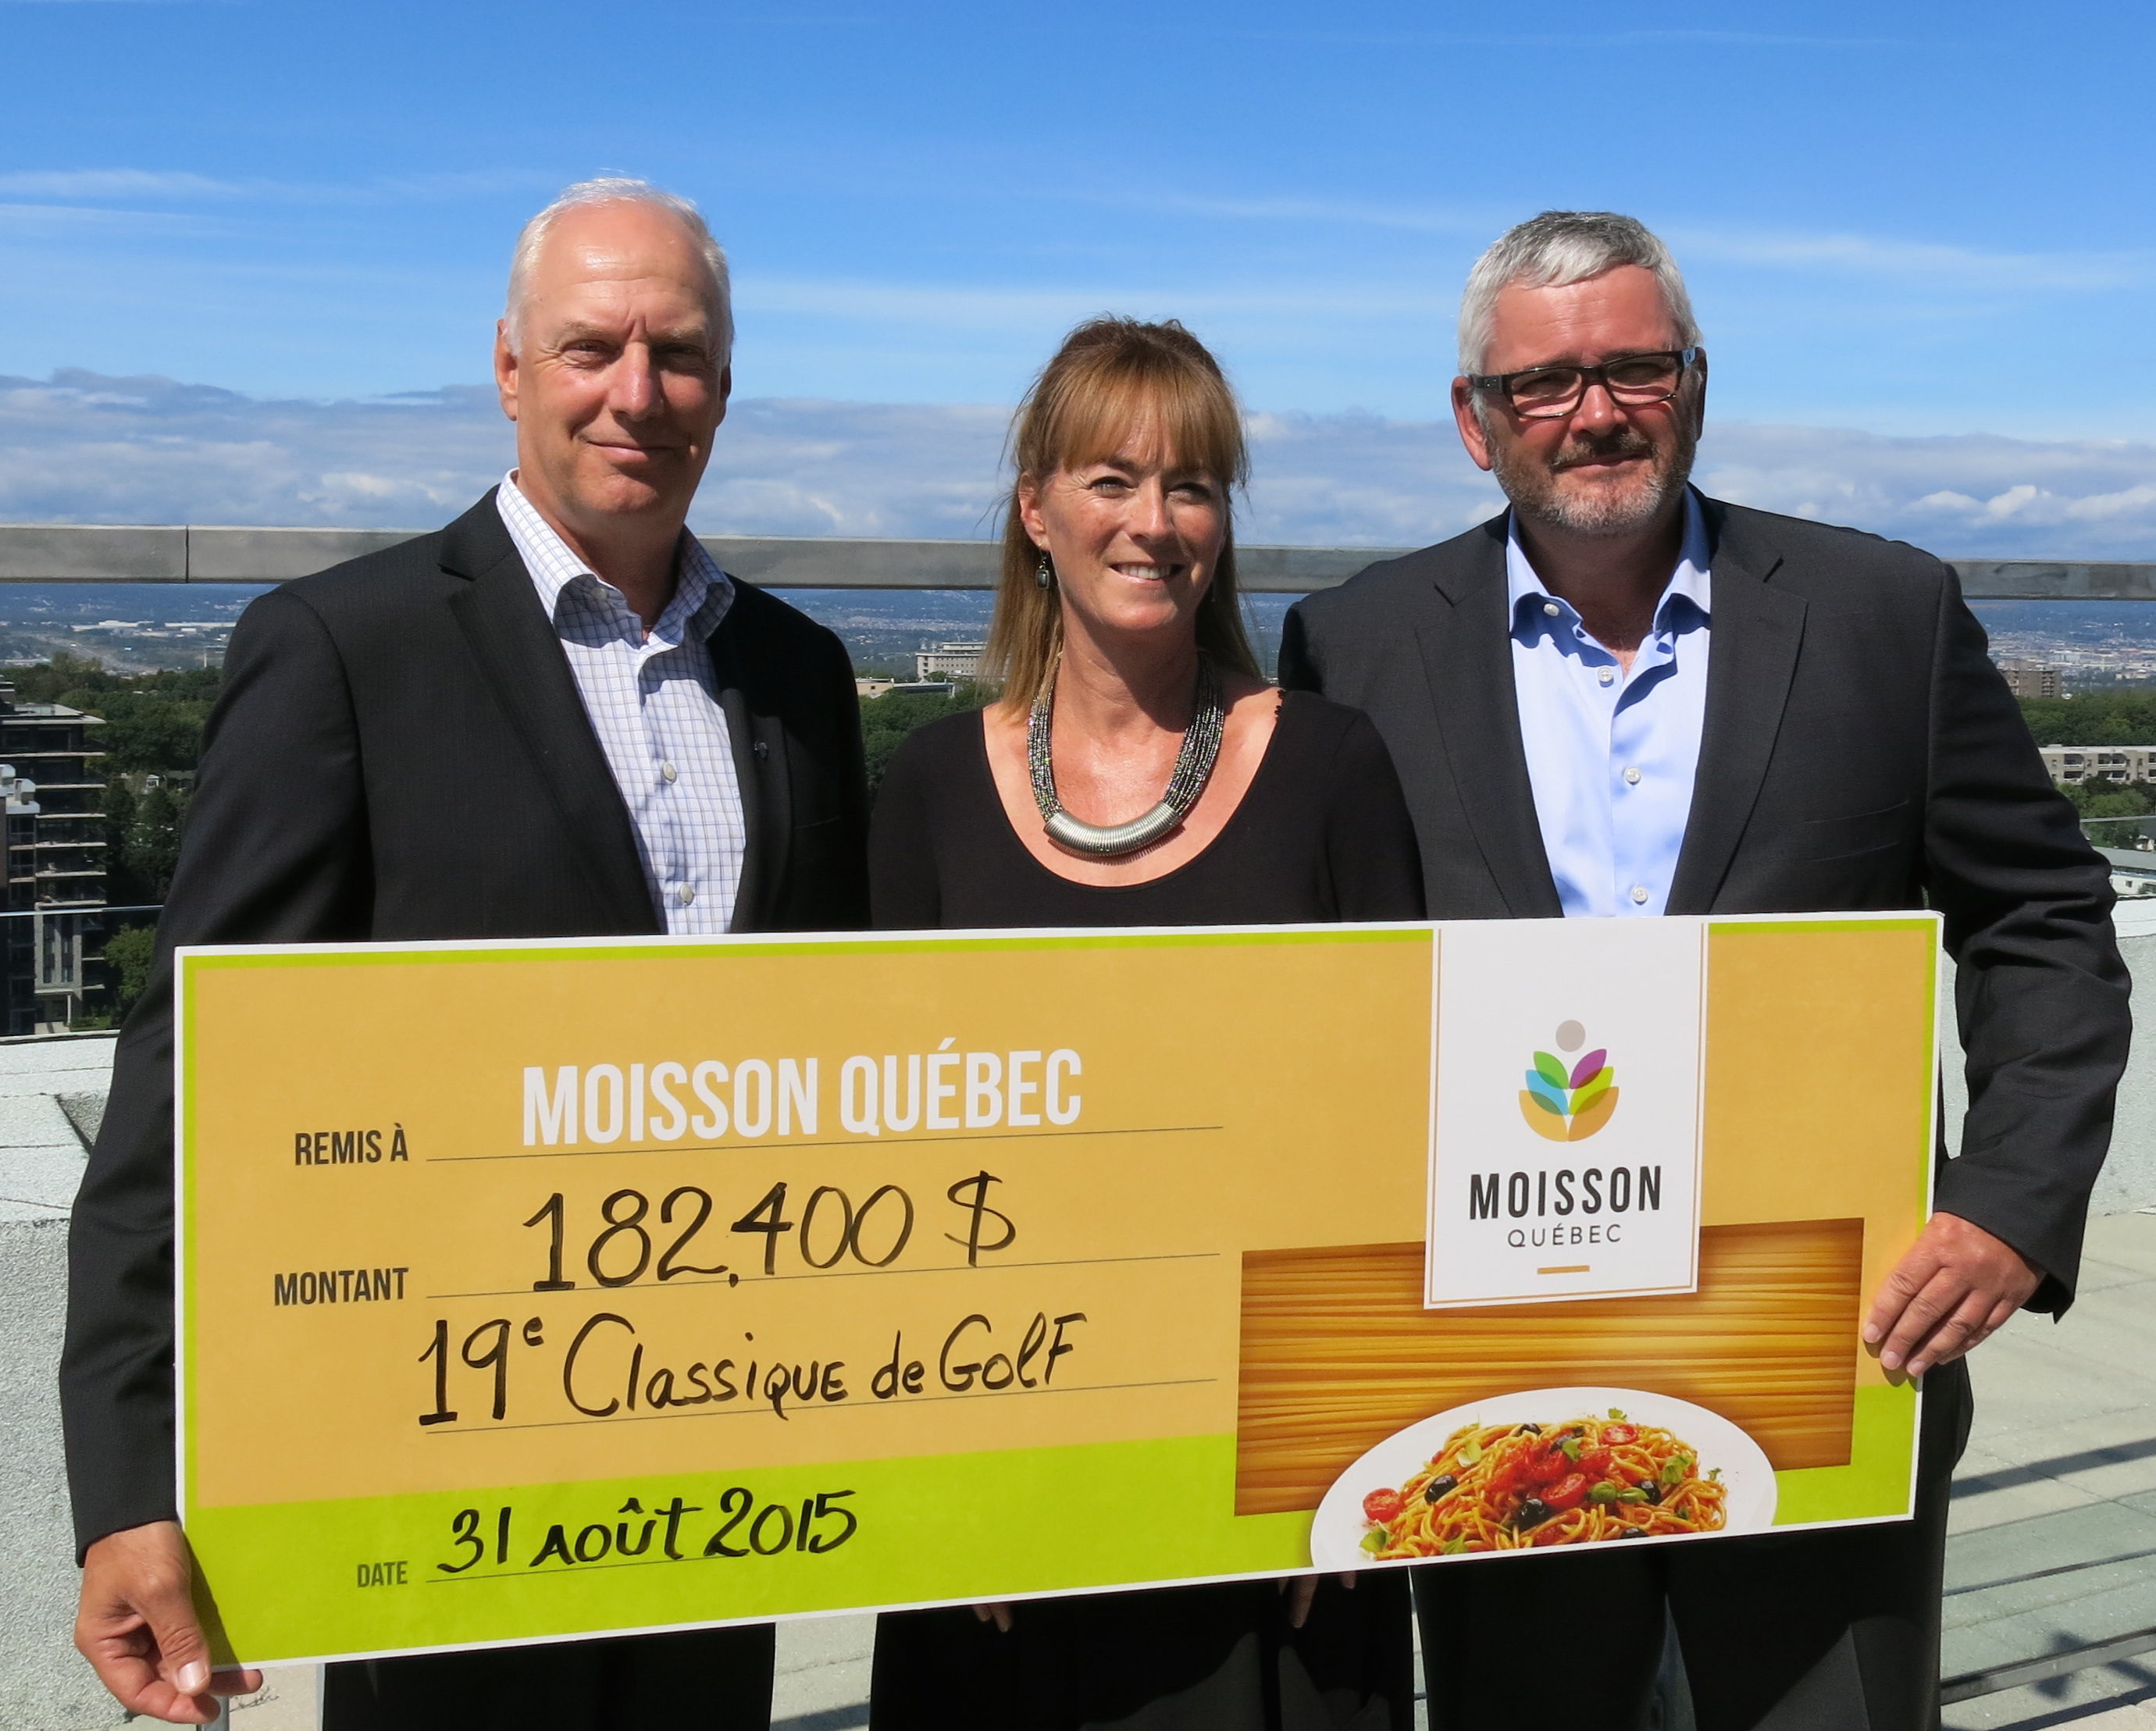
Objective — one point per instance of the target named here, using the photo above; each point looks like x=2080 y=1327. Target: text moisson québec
x=568 y=1105
x=1591 y=1190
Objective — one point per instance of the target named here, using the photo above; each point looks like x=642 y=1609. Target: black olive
x=1533 y=1512
x=1528 y=1431
x=1439 y=1486
x=1632 y=1532
x=1654 y=1493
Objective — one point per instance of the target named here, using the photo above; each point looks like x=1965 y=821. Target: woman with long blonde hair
x=1138 y=771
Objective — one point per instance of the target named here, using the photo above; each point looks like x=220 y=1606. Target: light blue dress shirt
x=1611 y=755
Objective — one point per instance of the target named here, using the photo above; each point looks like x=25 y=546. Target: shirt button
x=1551 y=608
x=689 y=894
x=1631 y=777
x=667 y=772
x=1603 y=676
x=1638 y=892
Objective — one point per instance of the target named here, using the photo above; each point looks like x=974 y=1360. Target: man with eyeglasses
x=1622 y=698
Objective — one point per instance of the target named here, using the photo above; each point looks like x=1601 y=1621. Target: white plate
x=1336 y=1536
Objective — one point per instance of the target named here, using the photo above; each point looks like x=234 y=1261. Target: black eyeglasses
x=1549 y=393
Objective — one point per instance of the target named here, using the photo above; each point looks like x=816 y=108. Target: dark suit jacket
x=401 y=752
x=1860 y=752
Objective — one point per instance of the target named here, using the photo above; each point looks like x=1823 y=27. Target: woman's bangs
x=1190 y=415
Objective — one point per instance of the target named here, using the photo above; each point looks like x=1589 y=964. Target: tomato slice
x=1596 y=1463
x=1569 y=1491
x=1550 y=1466
x=1616 y=1435
x=1382 y=1506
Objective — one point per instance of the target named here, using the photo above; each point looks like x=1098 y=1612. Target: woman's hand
x=1303 y=1594
x=999 y=1615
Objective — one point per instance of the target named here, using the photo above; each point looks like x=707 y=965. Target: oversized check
x=537 y=1290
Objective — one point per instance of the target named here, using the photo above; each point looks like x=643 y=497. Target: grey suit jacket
x=1859 y=753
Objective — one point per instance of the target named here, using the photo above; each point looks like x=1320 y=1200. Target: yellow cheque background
x=1236 y=1092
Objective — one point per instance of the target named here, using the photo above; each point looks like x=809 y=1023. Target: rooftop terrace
x=2051 y=1607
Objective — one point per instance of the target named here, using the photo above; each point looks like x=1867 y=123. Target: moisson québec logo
x=1569 y=1099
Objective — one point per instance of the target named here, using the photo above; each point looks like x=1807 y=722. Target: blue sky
x=1916 y=221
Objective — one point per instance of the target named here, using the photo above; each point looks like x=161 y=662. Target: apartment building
x=949 y=661
x=2125 y=764
x=2032 y=679
x=56 y=847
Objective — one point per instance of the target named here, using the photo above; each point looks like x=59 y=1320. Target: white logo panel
x=1565 y=1146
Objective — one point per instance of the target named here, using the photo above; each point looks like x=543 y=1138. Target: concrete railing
x=185 y=553
x=102 y=553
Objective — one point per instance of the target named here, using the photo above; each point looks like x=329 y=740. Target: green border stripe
x=272 y=957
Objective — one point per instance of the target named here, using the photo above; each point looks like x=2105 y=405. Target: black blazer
x=401 y=752
x=1860 y=752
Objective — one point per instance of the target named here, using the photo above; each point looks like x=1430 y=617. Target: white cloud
x=102 y=186
x=116 y=183
x=1974 y=495
x=84 y=447
x=1884 y=256
x=950 y=306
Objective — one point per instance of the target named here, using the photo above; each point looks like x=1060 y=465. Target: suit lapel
x=757 y=740
x=1758 y=632
x=521 y=658
x=1467 y=658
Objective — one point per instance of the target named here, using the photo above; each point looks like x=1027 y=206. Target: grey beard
x=1533 y=489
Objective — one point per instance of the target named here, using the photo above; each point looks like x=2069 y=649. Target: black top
x=1323 y=833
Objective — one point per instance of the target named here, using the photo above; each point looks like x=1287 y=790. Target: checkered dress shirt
x=652 y=702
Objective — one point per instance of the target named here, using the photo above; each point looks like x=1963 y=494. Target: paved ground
x=2054 y=1533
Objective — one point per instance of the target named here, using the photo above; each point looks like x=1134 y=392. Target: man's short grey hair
x=1561 y=247
x=619 y=189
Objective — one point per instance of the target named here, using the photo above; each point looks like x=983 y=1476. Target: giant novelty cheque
x=543 y=1289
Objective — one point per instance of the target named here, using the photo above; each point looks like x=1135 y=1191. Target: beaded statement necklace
x=1194 y=768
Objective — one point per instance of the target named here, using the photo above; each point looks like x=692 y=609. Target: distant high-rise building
x=949 y=661
x=2031 y=678
x=2082 y=764
x=55 y=843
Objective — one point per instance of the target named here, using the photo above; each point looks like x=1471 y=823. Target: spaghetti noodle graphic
x=1523 y=1487
x=1569 y=1102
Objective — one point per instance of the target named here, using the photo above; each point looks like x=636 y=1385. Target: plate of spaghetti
x=1541 y=1468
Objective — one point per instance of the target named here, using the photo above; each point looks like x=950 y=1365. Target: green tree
x=123 y=885
x=128 y=953
x=151 y=733
x=151 y=847
x=887 y=719
x=2093 y=718
x=64 y=674
x=154 y=721
x=2109 y=800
